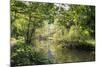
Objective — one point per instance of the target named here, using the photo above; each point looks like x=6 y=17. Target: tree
x=29 y=16
x=81 y=17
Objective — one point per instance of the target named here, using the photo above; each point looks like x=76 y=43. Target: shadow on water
x=74 y=55
x=65 y=55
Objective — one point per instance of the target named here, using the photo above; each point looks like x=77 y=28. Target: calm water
x=64 y=55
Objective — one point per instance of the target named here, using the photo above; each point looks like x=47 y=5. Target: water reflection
x=59 y=54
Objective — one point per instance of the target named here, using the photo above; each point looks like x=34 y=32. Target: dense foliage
x=69 y=25
x=28 y=55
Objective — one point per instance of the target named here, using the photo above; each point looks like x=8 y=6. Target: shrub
x=28 y=55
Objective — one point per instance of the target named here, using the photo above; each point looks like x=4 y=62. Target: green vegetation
x=27 y=55
x=46 y=33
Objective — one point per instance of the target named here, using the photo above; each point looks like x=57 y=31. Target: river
x=59 y=54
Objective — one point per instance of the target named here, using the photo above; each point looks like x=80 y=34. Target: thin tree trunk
x=28 y=30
